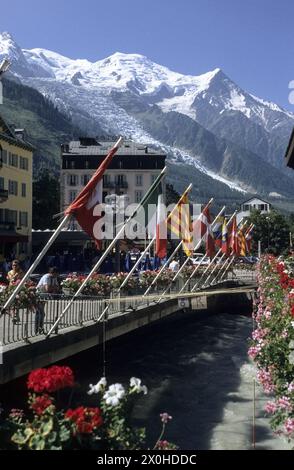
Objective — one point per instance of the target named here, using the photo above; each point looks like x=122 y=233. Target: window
x=23 y=219
x=23 y=163
x=72 y=195
x=72 y=164
x=120 y=180
x=246 y=207
x=8 y=216
x=138 y=196
x=85 y=179
x=23 y=189
x=1 y=182
x=72 y=180
x=4 y=156
x=87 y=164
x=139 y=180
x=13 y=187
x=153 y=178
x=13 y=159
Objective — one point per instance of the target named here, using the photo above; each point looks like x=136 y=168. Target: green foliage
x=272 y=230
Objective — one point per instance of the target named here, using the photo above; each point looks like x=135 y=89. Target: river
x=196 y=368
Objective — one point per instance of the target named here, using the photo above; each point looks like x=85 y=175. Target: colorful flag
x=234 y=242
x=179 y=222
x=248 y=238
x=217 y=231
x=84 y=204
x=209 y=239
x=200 y=226
x=242 y=242
x=161 y=232
x=225 y=238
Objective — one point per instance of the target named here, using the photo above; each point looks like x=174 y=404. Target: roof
x=9 y=136
x=289 y=155
x=102 y=148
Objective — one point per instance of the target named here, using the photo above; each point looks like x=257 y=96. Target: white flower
x=292 y=323
x=114 y=394
x=98 y=387
x=136 y=386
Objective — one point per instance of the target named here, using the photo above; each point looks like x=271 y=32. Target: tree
x=46 y=200
x=272 y=230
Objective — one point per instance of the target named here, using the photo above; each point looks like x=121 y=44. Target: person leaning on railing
x=48 y=284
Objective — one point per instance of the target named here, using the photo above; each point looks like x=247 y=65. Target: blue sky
x=250 y=40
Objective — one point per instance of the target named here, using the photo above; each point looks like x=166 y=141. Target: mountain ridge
x=241 y=125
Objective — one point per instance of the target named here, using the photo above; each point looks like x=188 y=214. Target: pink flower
x=289 y=426
x=165 y=417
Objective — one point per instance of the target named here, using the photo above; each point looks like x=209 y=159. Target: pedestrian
x=15 y=275
x=174 y=265
x=48 y=284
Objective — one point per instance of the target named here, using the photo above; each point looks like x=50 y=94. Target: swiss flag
x=200 y=226
x=202 y=230
x=91 y=196
x=248 y=238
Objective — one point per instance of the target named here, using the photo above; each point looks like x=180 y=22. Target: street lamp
x=268 y=227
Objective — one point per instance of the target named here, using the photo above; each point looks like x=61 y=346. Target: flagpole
x=36 y=262
x=174 y=253
x=223 y=255
x=153 y=240
x=213 y=259
x=109 y=248
x=137 y=263
x=44 y=251
x=199 y=243
x=197 y=246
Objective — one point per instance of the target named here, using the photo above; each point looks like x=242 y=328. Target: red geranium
x=86 y=419
x=50 y=380
x=41 y=403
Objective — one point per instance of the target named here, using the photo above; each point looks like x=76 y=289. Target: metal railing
x=23 y=325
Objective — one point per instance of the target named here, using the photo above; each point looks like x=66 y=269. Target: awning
x=12 y=237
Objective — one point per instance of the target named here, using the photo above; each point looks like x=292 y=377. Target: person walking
x=13 y=276
x=48 y=284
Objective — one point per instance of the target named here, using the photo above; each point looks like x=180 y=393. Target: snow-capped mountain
x=229 y=133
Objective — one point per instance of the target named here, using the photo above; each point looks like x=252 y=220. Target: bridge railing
x=19 y=325
x=24 y=324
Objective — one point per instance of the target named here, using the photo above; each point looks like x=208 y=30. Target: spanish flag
x=179 y=223
x=242 y=243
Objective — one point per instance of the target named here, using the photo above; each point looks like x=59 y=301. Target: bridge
x=92 y=321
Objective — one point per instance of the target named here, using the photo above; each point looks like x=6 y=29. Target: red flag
x=234 y=241
x=91 y=196
x=248 y=238
x=161 y=238
x=200 y=226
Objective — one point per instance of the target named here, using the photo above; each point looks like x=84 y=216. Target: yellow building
x=16 y=175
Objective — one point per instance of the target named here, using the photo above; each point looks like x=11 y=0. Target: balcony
x=108 y=184
x=3 y=195
x=121 y=184
x=5 y=225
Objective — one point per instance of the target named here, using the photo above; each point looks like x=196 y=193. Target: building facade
x=131 y=172
x=254 y=203
x=16 y=173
